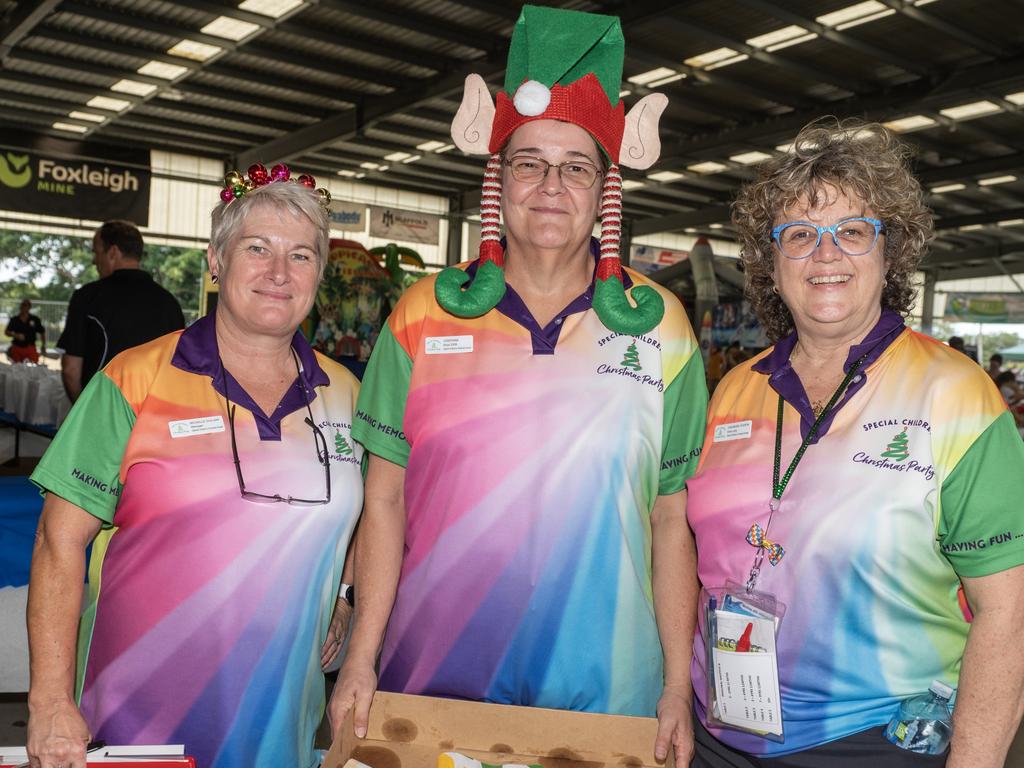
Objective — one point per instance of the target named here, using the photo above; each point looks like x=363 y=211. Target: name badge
x=204 y=425
x=738 y=430
x=448 y=345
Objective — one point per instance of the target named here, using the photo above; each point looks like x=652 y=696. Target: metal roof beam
x=21 y=21
x=969 y=170
x=968 y=38
x=986 y=217
x=676 y=221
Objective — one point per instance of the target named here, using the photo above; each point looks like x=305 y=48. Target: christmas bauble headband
x=236 y=185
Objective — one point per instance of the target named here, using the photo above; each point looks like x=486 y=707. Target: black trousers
x=867 y=748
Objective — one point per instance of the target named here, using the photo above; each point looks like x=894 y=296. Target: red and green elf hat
x=562 y=65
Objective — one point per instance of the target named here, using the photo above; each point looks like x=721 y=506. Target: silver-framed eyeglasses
x=854 y=236
x=578 y=174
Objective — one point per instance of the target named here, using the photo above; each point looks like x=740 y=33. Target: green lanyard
x=758 y=536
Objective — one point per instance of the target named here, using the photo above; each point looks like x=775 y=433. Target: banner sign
x=348 y=217
x=76 y=179
x=395 y=224
x=984 y=307
x=648 y=259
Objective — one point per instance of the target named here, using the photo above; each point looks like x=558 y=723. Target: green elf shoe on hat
x=562 y=65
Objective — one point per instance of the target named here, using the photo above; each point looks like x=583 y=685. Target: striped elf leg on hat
x=563 y=65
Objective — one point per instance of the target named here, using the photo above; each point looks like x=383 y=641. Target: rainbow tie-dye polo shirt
x=205 y=611
x=533 y=459
x=917 y=481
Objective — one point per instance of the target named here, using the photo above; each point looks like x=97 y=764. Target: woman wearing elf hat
x=532 y=418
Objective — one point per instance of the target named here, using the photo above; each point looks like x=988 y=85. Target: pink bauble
x=280 y=172
x=227 y=194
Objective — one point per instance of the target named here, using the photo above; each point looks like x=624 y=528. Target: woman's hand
x=354 y=690
x=57 y=736
x=675 y=725
x=336 y=633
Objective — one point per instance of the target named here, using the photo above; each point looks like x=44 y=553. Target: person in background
x=23 y=328
x=213 y=472
x=122 y=309
x=734 y=355
x=880 y=476
x=995 y=365
x=524 y=539
x=716 y=367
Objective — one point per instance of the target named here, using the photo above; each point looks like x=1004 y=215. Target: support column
x=928 y=303
x=454 y=248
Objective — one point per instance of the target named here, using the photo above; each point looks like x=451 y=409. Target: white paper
x=747 y=683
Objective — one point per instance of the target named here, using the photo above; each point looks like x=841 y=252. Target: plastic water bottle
x=924 y=723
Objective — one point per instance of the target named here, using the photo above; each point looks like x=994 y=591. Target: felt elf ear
x=641 y=144
x=471 y=128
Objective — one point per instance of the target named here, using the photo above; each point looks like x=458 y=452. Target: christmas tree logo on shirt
x=898 y=448
x=631 y=359
x=341 y=445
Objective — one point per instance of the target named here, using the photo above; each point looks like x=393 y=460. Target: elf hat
x=562 y=65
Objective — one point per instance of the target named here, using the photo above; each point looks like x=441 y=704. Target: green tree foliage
x=51 y=267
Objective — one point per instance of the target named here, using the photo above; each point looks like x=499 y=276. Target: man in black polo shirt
x=123 y=309
x=23 y=328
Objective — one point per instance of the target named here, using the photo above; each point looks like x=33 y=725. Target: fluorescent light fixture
x=665 y=176
x=711 y=57
x=272 y=8
x=996 y=180
x=230 y=29
x=370 y=166
x=88 y=116
x=445 y=148
x=190 y=49
x=70 y=127
x=162 y=69
x=1016 y=98
x=727 y=62
x=919 y=3
x=911 y=123
x=1011 y=222
x=107 y=103
x=347 y=173
x=360 y=175
x=667 y=80
x=866 y=19
x=948 y=188
x=644 y=78
x=795 y=41
x=631 y=184
x=412 y=158
x=430 y=146
x=714 y=226
x=397 y=156
x=624 y=93
x=171 y=94
x=786 y=149
x=971 y=228
x=857 y=12
x=691 y=230
x=967 y=111
x=750 y=158
x=383 y=168
x=778 y=36
x=134 y=87
x=709 y=166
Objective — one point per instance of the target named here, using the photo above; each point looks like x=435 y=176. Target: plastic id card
x=740 y=628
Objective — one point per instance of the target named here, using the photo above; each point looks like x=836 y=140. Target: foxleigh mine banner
x=80 y=180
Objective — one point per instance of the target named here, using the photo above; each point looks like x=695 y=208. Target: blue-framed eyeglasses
x=854 y=236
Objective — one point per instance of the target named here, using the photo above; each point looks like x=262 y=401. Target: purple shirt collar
x=544 y=339
x=197 y=352
x=783 y=379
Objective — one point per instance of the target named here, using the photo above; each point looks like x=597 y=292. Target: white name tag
x=192 y=427
x=738 y=430
x=448 y=345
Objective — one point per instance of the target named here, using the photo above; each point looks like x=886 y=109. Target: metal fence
x=52 y=313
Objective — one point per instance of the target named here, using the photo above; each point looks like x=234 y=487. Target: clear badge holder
x=740 y=629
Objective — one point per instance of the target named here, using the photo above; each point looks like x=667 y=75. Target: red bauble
x=307 y=181
x=280 y=172
x=258 y=174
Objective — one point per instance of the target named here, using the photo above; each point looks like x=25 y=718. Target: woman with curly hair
x=865 y=476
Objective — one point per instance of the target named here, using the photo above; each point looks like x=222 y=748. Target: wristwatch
x=347 y=592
